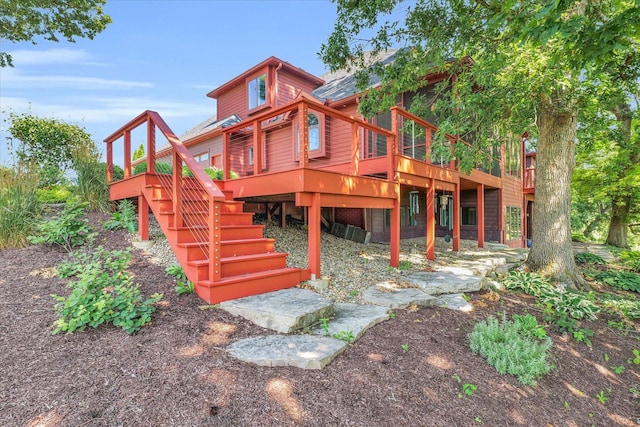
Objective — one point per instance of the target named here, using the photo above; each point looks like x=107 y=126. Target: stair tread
x=249 y=276
x=240 y=258
x=232 y=242
x=204 y=227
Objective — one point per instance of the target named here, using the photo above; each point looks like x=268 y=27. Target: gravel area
x=350 y=267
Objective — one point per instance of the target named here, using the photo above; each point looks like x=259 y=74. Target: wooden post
x=283 y=215
x=456 y=218
x=303 y=134
x=267 y=212
x=355 y=148
x=127 y=153
x=480 y=219
x=151 y=146
x=176 y=190
x=109 y=161
x=395 y=230
x=257 y=148
x=226 y=156
x=431 y=221
x=391 y=146
x=143 y=218
x=215 y=273
x=428 y=138
x=501 y=215
x=314 y=236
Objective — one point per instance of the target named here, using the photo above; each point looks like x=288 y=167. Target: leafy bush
x=619 y=279
x=573 y=304
x=161 y=167
x=588 y=258
x=578 y=237
x=183 y=285
x=53 y=194
x=124 y=218
x=509 y=347
x=19 y=206
x=530 y=283
x=103 y=293
x=631 y=260
x=212 y=172
x=69 y=230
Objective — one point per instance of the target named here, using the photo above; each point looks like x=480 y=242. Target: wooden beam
x=394 y=260
x=314 y=236
x=143 y=218
x=431 y=222
x=480 y=219
x=456 y=219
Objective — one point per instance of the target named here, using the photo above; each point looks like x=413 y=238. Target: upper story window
x=257 y=92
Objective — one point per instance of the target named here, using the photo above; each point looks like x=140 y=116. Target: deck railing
x=193 y=197
x=530 y=178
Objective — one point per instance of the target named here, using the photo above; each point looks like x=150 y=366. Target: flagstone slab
x=283 y=311
x=300 y=351
x=396 y=297
x=354 y=319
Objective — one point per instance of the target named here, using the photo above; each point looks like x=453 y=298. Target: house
x=296 y=145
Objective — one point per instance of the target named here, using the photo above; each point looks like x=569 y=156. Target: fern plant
x=124 y=218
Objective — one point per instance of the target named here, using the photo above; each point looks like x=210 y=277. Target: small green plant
x=566 y=405
x=404 y=265
x=354 y=293
x=469 y=388
x=345 y=336
x=588 y=258
x=478 y=420
x=529 y=327
x=405 y=348
x=566 y=324
x=619 y=326
x=624 y=280
x=530 y=283
x=324 y=323
x=631 y=260
x=124 y=218
x=634 y=391
x=619 y=370
x=606 y=357
x=636 y=359
x=392 y=315
x=456 y=378
x=103 y=293
x=183 y=284
x=71 y=229
x=601 y=397
x=509 y=350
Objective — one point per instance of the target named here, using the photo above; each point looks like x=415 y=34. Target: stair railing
x=195 y=199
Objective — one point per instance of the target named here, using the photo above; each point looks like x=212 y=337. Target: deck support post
x=395 y=231
x=143 y=218
x=480 y=221
x=127 y=154
x=283 y=215
x=456 y=218
x=151 y=146
x=109 y=162
x=314 y=236
x=431 y=221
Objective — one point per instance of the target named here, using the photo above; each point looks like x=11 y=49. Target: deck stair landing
x=249 y=264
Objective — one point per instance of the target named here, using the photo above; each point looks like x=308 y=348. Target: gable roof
x=342 y=83
x=273 y=61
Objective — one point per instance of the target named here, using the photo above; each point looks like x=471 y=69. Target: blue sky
x=161 y=55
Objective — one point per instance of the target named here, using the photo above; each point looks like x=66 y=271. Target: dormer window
x=257 y=92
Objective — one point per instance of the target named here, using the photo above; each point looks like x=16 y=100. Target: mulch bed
x=176 y=372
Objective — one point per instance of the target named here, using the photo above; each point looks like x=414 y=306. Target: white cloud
x=51 y=56
x=13 y=79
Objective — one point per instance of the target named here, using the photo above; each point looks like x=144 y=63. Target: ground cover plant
x=69 y=230
x=125 y=218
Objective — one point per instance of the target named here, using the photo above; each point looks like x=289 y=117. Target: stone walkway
x=305 y=341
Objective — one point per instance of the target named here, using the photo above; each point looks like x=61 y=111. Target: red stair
x=249 y=264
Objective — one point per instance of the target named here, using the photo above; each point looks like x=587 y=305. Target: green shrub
x=631 y=260
x=573 y=304
x=53 y=194
x=530 y=283
x=103 y=293
x=619 y=279
x=69 y=230
x=509 y=347
x=578 y=237
x=212 y=172
x=124 y=218
x=19 y=206
x=161 y=167
x=183 y=285
x=92 y=187
x=588 y=258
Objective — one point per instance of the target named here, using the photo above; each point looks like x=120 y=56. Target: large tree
x=527 y=73
x=27 y=20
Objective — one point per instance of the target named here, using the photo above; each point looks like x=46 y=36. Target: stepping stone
x=396 y=297
x=354 y=318
x=283 y=311
x=454 y=302
x=443 y=282
x=301 y=351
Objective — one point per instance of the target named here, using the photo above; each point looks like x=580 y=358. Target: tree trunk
x=551 y=251
x=618 y=226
